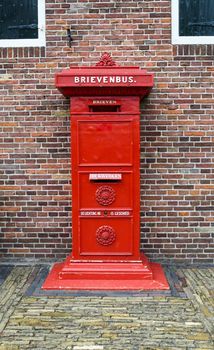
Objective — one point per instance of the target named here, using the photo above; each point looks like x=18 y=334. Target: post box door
x=105 y=183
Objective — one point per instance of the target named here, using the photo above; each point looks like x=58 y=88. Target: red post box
x=105 y=116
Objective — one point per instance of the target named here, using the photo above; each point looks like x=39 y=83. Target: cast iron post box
x=105 y=144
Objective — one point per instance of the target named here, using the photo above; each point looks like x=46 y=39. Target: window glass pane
x=196 y=17
x=18 y=19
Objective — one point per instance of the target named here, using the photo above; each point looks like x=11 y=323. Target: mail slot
x=105 y=144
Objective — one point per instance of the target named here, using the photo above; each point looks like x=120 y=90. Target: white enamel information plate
x=102 y=176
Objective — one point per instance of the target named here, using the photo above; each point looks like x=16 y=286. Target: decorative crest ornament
x=105 y=195
x=105 y=235
x=106 y=60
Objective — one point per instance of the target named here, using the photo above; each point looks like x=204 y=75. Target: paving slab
x=180 y=319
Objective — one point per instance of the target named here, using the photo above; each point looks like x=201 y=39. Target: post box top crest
x=106 y=60
x=106 y=78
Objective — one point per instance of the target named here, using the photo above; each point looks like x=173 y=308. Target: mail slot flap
x=82 y=105
x=105 y=102
x=105 y=176
x=104 y=105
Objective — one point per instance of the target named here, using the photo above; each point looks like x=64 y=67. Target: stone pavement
x=106 y=321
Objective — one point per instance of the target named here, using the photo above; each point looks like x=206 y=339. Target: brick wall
x=177 y=167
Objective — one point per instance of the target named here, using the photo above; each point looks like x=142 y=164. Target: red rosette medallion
x=105 y=235
x=105 y=195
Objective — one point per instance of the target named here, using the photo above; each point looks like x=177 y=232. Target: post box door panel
x=106 y=236
x=105 y=185
x=108 y=142
x=95 y=193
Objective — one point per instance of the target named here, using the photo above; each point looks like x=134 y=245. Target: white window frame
x=40 y=41
x=190 y=40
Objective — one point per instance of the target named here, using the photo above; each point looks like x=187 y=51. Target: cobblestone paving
x=93 y=322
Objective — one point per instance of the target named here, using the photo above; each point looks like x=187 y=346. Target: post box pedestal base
x=72 y=275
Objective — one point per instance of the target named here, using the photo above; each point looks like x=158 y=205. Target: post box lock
x=105 y=235
x=105 y=195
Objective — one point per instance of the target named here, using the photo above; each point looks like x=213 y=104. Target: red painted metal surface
x=105 y=181
x=111 y=277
